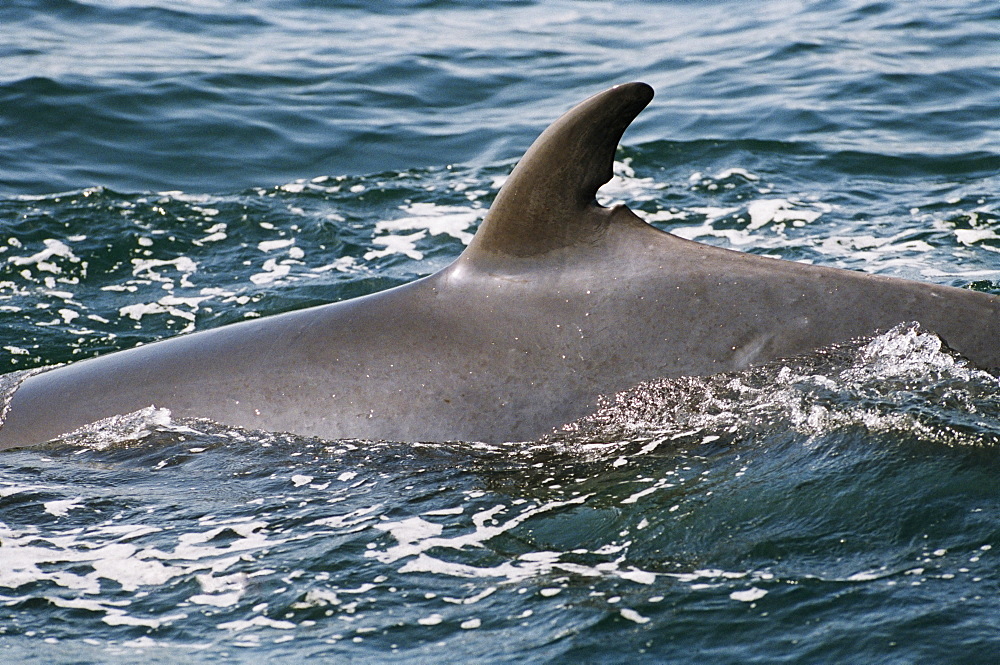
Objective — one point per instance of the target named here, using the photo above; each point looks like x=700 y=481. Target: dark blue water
x=181 y=165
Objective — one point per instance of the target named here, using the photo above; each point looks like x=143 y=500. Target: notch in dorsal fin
x=548 y=202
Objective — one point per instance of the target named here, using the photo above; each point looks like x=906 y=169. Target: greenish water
x=182 y=165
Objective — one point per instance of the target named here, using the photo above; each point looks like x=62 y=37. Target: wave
x=904 y=381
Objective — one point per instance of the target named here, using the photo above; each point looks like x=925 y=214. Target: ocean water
x=180 y=165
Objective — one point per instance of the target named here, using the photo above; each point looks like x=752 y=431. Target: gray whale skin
x=556 y=301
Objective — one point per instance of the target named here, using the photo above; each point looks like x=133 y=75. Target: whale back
x=556 y=302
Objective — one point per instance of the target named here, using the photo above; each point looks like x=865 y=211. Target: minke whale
x=555 y=302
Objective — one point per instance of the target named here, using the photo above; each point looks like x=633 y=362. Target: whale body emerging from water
x=555 y=302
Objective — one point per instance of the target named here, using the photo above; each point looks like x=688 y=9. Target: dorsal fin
x=548 y=202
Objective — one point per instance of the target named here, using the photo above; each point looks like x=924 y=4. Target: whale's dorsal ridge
x=548 y=202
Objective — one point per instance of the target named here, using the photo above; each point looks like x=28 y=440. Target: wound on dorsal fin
x=548 y=202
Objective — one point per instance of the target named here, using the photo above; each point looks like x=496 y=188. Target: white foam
x=117 y=429
x=273 y=271
x=124 y=564
x=454 y=221
x=635 y=575
x=139 y=310
x=222 y=591
x=432 y=620
x=728 y=173
x=425 y=219
x=625 y=186
x=866 y=576
x=407 y=532
x=185 y=197
x=765 y=211
x=342 y=264
x=638 y=495
x=271 y=245
x=457 y=510
x=416 y=537
x=82 y=560
x=750 y=595
x=215 y=233
x=68 y=315
x=147 y=268
x=472 y=600
x=973 y=236
x=120 y=618
x=118 y=562
x=258 y=621
x=416 y=543
x=350 y=520
x=61 y=508
x=300 y=480
x=773 y=213
x=397 y=244
x=53 y=248
x=632 y=615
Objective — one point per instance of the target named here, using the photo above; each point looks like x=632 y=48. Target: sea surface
x=179 y=165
